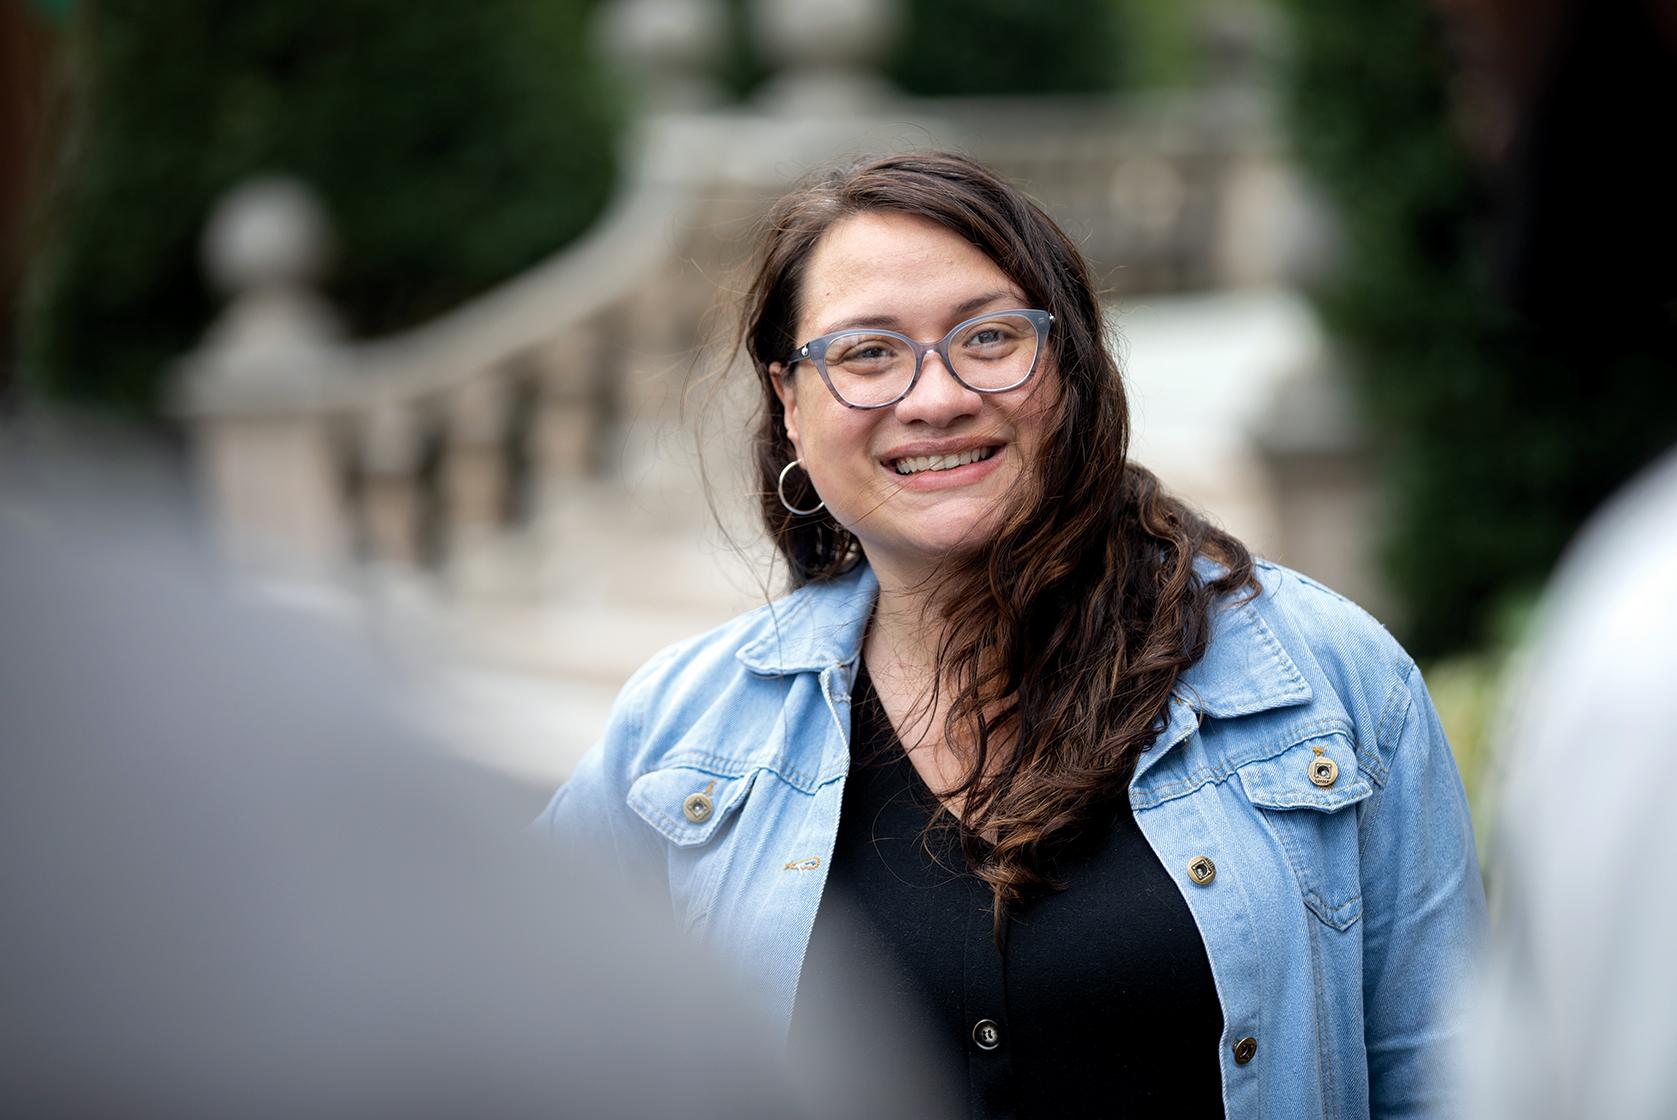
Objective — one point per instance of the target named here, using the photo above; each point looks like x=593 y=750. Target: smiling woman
x=1131 y=821
x=916 y=464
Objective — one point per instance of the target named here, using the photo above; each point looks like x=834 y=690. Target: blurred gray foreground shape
x=1580 y=1003
x=235 y=883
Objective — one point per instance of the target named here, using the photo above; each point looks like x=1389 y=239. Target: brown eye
x=995 y=352
x=994 y=338
x=864 y=354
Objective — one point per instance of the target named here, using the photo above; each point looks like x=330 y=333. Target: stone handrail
x=314 y=446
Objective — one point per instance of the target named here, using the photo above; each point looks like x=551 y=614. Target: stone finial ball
x=266 y=232
x=684 y=35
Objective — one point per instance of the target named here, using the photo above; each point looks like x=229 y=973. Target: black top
x=1101 y=1001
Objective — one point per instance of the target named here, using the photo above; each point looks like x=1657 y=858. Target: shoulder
x=707 y=695
x=710 y=713
x=1307 y=657
x=1317 y=624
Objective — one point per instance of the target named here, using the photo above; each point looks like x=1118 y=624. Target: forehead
x=881 y=265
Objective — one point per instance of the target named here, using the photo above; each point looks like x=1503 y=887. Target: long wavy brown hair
x=1062 y=637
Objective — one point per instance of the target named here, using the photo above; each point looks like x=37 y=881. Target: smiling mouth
x=918 y=463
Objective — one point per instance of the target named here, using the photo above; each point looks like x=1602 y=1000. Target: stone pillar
x=260 y=393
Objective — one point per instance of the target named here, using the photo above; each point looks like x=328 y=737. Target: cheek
x=1045 y=403
x=830 y=442
x=1033 y=411
x=1034 y=420
x=834 y=442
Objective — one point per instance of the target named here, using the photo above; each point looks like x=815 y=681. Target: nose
x=938 y=398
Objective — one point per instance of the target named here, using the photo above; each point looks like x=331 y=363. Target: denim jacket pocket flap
x=1292 y=780
x=1301 y=799
x=685 y=804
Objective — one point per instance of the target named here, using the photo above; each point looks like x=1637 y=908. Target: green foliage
x=1159 y=43
x=741 y=69
x=1467 y=690
x=453 y=145
x=950 y=47
x=1471 y=692
x=947 y=47
x=1498 y=438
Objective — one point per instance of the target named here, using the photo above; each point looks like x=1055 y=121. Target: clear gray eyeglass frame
x=815 y=350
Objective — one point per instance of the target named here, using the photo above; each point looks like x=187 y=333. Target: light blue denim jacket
x=1340 y=919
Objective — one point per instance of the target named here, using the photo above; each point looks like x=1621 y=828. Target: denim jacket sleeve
x=1423 y=909
x=586 y=817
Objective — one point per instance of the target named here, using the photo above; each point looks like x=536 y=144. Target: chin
x=958 y=529
x=952 y=541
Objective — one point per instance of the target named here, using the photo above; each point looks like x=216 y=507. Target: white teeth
x=942 y=462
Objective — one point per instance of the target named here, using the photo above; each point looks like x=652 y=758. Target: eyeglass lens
x=873 y=367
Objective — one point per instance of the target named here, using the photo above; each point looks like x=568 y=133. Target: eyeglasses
x=990 y=353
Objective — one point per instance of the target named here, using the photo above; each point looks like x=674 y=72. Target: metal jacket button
x=1244 y=1049
x=1201 y=870
x=986 y=1034
x=697 y=808
x=1323 y=771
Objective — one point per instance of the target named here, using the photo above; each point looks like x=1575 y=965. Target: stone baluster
x=391 y=502
x=647 y=367
x=565 y=432
x=259 y=393
x=475 y=457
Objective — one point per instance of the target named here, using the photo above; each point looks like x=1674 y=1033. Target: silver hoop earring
x=780 y=490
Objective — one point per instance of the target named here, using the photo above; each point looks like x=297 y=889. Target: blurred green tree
x=952 y=47
x=981 y=47
x=1498 y=435
x=452 y=145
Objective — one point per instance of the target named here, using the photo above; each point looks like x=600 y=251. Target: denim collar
x=816 y=627
x=1245 y=668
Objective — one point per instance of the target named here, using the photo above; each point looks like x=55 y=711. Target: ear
x=787 y=390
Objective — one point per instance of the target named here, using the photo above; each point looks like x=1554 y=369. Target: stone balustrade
x=414 y=451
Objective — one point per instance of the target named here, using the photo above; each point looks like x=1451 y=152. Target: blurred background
x=432 y=305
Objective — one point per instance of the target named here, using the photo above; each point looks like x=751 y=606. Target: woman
x=1143 y=824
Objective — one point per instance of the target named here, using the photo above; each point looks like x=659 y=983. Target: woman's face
x=910 y=275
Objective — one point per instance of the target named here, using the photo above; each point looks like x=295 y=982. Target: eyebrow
x=891 y=322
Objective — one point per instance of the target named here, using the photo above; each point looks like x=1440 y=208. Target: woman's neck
x=902 y=651
x=902 y=647
x=905 y=632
